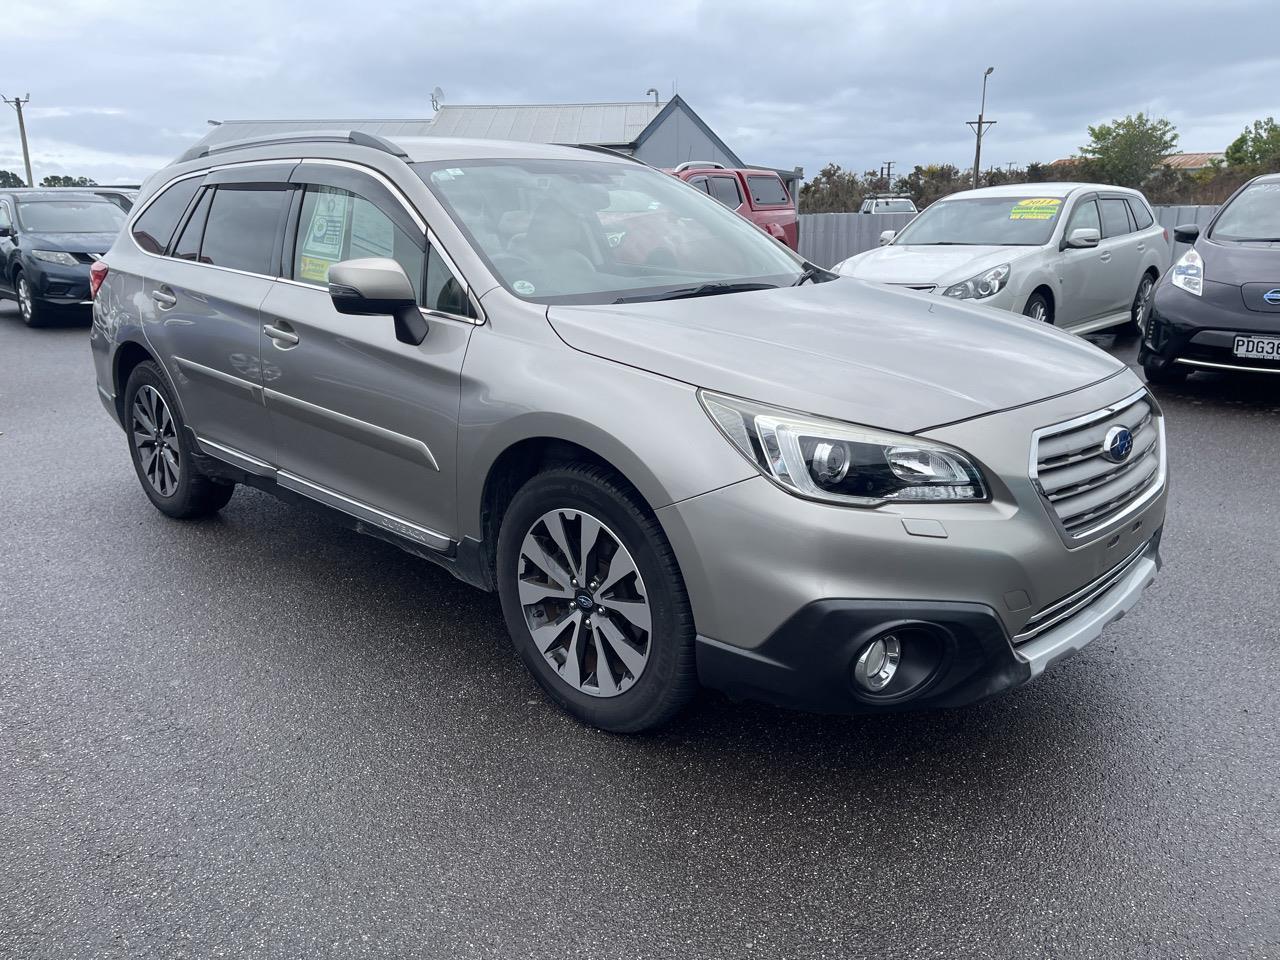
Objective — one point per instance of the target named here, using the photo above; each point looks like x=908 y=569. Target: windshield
x=1253 y=215
x=70 y=216
x=590 y=231
x=994 y=221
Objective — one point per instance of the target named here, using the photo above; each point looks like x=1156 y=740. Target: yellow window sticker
x=1036 y=208
x=315 y=268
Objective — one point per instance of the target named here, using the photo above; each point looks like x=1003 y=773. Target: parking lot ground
x=263 y=735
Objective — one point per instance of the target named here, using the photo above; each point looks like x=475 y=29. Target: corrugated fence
x=827 y=238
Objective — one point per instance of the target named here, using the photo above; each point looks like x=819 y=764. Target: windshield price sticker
x=1036 y=208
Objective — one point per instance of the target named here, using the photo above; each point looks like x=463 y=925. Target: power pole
x=18 y=103
x=887 y=172
x=980 y=127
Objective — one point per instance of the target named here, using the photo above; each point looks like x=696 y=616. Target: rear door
x=363 y=421
x=1121 y=240
x=201 y=306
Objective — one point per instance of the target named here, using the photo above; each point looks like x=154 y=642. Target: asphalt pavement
x=262 y=735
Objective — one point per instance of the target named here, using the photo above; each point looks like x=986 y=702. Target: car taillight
x=97 y=273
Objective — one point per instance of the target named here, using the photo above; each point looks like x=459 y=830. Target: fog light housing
x=878 y=663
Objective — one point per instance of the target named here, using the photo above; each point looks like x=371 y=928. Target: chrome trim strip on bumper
x=363 y=511
x=1087 y=625
x=1071 y=604
x=1225 y=366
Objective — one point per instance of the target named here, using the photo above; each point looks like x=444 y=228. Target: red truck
x=757 y=195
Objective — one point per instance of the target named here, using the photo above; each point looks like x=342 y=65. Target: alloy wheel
x=24 y=299
x=155 y=435
x=584 y=602
x=1039 y=312
x=1143 y=303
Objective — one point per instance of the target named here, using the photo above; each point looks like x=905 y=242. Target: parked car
x=1082 y=256
x=1219 y=307
x=48 y=239
x=888 y=204
x=122 y=197
x=725 y=474
x=758 y=195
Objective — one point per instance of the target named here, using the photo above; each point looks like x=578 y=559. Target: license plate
x=1257 y=348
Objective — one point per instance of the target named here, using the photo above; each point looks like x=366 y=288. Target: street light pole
x=17 y=103
x=980 y=127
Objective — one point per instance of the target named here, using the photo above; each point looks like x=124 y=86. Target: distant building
x=660 y=134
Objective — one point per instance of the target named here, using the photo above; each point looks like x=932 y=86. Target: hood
x=1240 y=263
x=844 y=349
x=71 y=242
x=929 y=263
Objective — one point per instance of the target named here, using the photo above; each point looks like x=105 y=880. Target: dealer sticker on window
x=1036 y=208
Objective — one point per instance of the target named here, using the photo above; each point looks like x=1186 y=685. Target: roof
x=1051 y=189
x=1192 y=161
x=229 y=130
x=607 y=124
x=55 y=193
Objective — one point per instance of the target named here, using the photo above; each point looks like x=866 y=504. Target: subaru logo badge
x=1118 y=444
x=1272 y=297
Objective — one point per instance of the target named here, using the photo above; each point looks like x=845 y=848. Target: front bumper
x=1199 y=332
x=57 y=284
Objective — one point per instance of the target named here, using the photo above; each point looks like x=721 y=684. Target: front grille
x=86 y=257
x=1062 y=610
x=1085 y=489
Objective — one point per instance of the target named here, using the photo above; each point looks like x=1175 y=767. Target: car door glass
x=444 y=292
x=1115 y=217
x=1141 y=215
x=243 y=227
x=337 y=225
x=1085 y=216
x=188 y=245
x=725 y=189
x=767 y=190
x=5 y=219
x=154 y=229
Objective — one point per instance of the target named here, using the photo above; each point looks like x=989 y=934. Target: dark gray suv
x=680 y=453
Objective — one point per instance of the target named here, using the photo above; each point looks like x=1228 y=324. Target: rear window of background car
x=767 y=190
x=155 y=227
x=242 y=228
x=1115 y=217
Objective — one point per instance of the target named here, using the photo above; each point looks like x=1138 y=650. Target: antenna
x=437 y=97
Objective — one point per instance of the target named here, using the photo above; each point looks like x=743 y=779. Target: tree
x=1126 y=152
x=9 y=179
x=56 y=180
x=1259 y=146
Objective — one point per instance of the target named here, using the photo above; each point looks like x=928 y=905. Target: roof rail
x=596 y=148
x=699 y=164
x=357 y=137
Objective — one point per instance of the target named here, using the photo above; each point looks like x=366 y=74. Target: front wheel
x=1039 y=308
x=30 y=309
x=594 y=600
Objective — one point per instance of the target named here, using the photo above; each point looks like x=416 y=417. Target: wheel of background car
x=30 y=309
x=1038 y=308
x=594 y=600
x=1141 y=305
x=161 y=453
x=1164 y=374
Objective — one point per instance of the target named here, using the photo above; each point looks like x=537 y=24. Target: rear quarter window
x=154 y=229
x=1141 y=215
x=767 y=190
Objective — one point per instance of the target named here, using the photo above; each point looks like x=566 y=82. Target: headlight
x=843 y=463
x=1188 y=272
x=55 y=256
x=983 y=285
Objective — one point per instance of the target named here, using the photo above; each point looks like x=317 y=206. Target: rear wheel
x=1039 y=308
x=161 y=452
x=1141 y=306
x=594 y=600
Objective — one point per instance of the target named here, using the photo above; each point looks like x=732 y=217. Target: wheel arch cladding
x=128 y=356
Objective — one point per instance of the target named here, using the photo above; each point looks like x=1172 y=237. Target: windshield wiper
x=703 y=290
x=812 y=273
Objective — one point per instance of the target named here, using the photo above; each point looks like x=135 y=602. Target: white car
x=893 y=204
x=1083 y=256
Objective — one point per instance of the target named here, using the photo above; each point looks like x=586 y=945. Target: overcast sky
x=119 y=88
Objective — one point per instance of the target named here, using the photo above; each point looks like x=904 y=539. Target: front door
x=365 y=422
x=1085 y=273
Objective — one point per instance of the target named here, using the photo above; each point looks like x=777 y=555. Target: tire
x=1138 y=310
x=169 y=477
x=1039 y=308
x=1164 y=374
x=651 y=675
x=33 y=312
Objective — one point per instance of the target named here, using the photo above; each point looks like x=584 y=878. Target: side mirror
x=887 y=236
x=1082 y=238
x=378 y=286
x=1186 y=232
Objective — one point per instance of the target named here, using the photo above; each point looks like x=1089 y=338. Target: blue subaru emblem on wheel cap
x=1272 y=296
x=1118 y=444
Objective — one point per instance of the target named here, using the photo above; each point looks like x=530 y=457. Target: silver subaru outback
x=680 y=454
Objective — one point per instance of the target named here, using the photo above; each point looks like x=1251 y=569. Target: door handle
x=1105 y=258
x=279 y=334
x=163 y=299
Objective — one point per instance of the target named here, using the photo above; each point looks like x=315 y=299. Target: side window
x=188 y=244
x=338 y=225
x=1141 y=215
x=1085 y=215
x=767 y=190
x=1115 y=217
x=725 y=189
x=6 y=218
x=444 y=292
x=155 y=227
x=701 y=184
x=244 y=223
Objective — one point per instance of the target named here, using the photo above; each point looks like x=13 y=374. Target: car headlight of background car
x=55 y=256
x=1188 y=273
x=985 y=284
x=841 y=462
